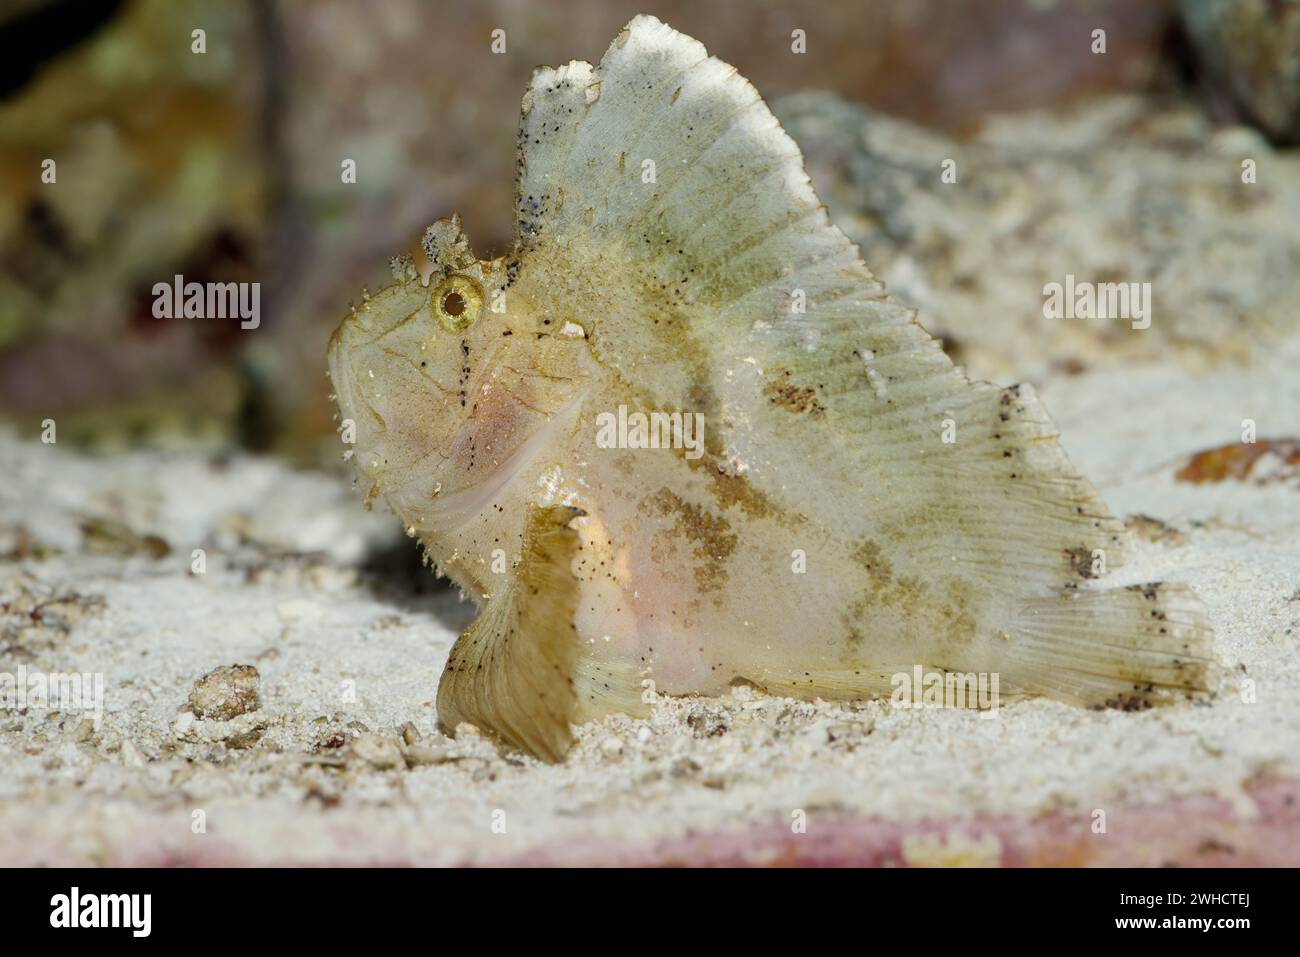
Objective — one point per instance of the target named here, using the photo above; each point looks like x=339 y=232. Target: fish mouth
x=371 y=449
x=339 y=376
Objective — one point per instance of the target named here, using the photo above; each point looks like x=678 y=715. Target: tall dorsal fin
x=658 y=191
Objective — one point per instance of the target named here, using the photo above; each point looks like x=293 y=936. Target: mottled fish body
x=681 y=436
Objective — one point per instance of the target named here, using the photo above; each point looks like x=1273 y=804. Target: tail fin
x=1127 y=648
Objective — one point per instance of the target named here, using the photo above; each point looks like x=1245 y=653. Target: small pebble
x=243 y=740
x=421 y=755
x=708 y=723
x=226 y=692
x=82 y=731
x=379 y=752
x=411 y=734
x=131 y=755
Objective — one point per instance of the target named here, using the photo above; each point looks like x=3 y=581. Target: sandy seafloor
x=288 y=589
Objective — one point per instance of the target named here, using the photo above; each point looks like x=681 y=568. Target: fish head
x=400 y=367
x=446 y=397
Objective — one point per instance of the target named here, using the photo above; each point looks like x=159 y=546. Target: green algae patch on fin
x=511 y=672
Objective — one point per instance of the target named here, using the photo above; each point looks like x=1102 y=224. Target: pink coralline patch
x=1261 y=828
x=1200 y=831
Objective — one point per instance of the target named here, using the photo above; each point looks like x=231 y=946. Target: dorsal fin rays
x=716 y=272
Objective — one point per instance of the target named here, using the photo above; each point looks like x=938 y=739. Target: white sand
x=311 y=623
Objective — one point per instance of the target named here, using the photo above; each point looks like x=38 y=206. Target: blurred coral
x=1120 y=189
x=225 y=166
x=1249 y=51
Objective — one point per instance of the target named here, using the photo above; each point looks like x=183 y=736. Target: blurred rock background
x=225 y=166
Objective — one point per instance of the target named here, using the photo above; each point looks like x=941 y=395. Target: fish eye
x=457 y=302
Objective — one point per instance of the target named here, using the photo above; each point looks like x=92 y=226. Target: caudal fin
x=1128 y=648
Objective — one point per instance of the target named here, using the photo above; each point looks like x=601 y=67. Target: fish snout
x=356 y=426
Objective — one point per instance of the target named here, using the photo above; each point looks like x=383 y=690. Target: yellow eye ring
x=457 y=301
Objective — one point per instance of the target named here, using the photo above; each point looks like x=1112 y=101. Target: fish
x=680 y=437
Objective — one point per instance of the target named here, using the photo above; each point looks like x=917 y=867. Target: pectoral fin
x=511 y=673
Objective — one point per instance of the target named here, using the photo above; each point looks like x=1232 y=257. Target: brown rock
x=226 y=692
x=1248 y=53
